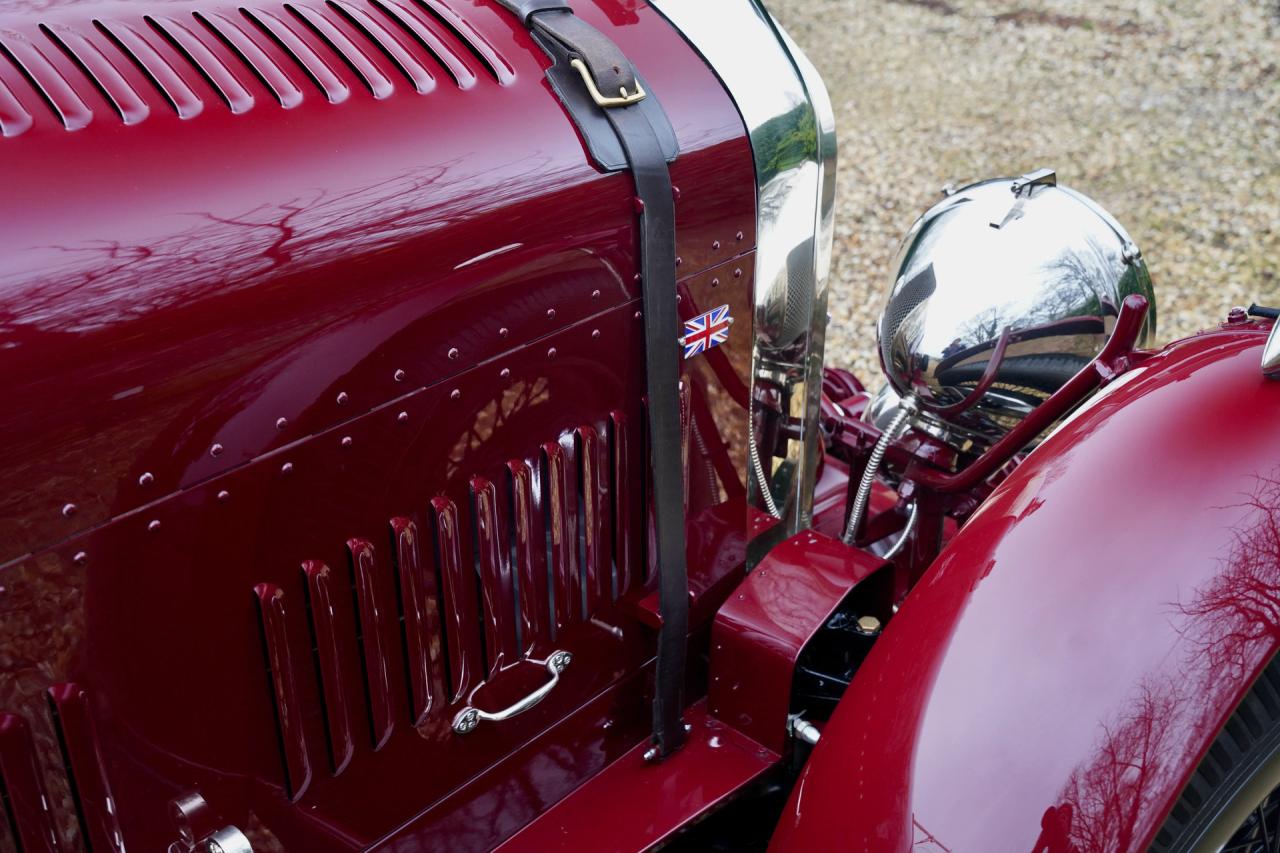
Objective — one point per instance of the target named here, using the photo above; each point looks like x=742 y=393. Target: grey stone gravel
x=1165 y=111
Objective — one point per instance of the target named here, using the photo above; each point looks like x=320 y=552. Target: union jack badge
x=706 y=331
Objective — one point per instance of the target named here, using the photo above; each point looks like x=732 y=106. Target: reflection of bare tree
x=1231 y=621
x=1074 y=284
x=100 y=282
x=1240 y=607
x=1108 y=795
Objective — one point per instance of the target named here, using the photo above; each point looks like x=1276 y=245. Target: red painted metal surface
x=27 y=802
x=96 y=804
x=1075 y=648
x=760 y=631
x=246 y=328
x=332 y=632
x=633 y=804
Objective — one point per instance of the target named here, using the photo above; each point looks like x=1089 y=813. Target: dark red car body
x=295 y=298
x=322 y=354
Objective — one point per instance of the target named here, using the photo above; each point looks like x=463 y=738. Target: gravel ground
x=1165 y=111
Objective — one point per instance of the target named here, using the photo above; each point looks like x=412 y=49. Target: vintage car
x=416 y=436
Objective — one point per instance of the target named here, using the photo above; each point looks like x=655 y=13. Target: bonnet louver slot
x=380 y=42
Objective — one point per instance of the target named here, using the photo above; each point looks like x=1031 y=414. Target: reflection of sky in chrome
x=1049 y=264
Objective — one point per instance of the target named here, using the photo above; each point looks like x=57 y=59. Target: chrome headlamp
x=789 y=119
x=1002 y=292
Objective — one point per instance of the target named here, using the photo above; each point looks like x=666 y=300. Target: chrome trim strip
x=791 y=125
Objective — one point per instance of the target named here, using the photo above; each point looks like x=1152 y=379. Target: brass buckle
x=623 y=100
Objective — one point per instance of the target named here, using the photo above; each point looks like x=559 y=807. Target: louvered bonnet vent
x=122 y=68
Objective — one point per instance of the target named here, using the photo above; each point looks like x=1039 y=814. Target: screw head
x=146 y=479
x=595 y=294
x=286 y=468
x=551 y=313
x=224 y=495
x=80 y=558
x=216 y=450
x=69 y=510
x=504 y=332
x=453 y=353
x=346 y=441
x=466 y=720
x=153 y=525
x=343 y=398
x=403 y=417
x=715 y=245
x=551 y=353
x=595 y=333
x=398 y=376
x=281 y=423
x=505 y=373
x=455 y=394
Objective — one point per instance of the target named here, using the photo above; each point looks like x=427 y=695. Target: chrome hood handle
x=470 y=717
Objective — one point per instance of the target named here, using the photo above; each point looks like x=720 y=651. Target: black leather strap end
x=524 y=9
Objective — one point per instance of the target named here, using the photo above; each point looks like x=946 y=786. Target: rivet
x=715 y=282
x=738 y=236
x=551 y=313
x=342 y=398
x=595 y=333
x=286 y=468
x=679 y=299
x=216 y=450
x=675 y=192
x=455 y=394
x=595 y=294
x=505 y=373
x=68 y=510
x=551 y=353
x=715 y=245
x=637 y=278
x=346 y=441
x=281 y=423
x=80 y=558
x=737 y=273
x=146 y=479
x=503 y=332
x=153 y=525
x=638 y=204
x=223 y=495
x=453 y=353
x=398 y=376
x=679 y=260
x=403 y=417
x=637 y=315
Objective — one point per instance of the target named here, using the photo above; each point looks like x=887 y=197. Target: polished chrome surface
x=906 y=408
x=905 y=535
x=1271 y=354
x=468 y=718
x=229 y=839
x=803 y=730
x=1002 y=291
x=791 y=124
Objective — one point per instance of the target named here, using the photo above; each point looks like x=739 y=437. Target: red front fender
x=1064 y=664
